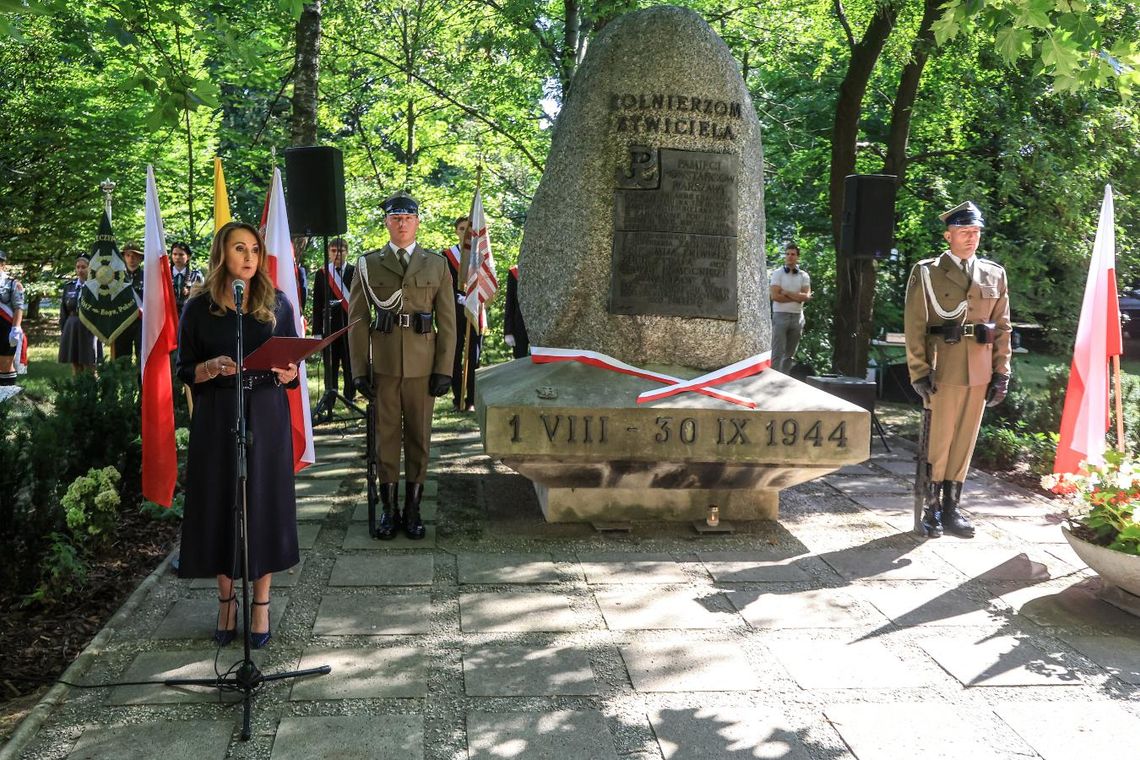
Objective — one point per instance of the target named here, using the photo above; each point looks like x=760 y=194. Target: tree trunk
x=307 y=70
x=570 y=43
x=855 y=278
x=902 y=110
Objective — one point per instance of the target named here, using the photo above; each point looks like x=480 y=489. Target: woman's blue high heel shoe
x=223 y=636
x=259 y=640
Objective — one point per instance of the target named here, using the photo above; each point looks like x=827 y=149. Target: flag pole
x=465 y=266
x=1120 y=443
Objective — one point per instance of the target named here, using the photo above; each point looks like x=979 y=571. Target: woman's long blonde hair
x=261 y=300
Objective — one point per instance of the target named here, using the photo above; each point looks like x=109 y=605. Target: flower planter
x=1119 y=571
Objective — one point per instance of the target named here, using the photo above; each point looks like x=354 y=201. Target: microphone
x=239 y=292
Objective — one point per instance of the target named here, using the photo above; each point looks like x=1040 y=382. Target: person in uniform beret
x=402 y=350
x=958 y=354
x=12 y=305
x=182 y=276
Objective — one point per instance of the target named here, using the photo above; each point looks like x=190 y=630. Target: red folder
x=280 y=352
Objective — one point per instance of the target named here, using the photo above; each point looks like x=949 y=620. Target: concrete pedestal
x=594 y=454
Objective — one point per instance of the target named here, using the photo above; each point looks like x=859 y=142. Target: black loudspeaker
x=896 y=384
x=868 y=229
x=314 y=195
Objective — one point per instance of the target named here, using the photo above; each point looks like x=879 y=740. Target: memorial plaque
x=674 y=251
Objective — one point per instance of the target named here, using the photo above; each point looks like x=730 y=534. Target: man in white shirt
x=790 y=289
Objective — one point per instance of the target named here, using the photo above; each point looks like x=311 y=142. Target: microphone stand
x=323 y=411
x=244 y=676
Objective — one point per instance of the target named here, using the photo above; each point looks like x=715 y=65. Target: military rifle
x=922 y=470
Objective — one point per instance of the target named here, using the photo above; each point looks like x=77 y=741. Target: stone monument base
x=594 y=454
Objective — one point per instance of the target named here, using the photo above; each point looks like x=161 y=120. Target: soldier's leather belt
x=982 y=332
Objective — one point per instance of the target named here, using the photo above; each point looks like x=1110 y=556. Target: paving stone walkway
x=834 y=634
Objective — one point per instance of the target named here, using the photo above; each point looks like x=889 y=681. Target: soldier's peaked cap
x=963 y=215
x=401 y=203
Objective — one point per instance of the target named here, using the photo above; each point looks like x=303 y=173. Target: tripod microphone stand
x=245 y=677
x=323 y=411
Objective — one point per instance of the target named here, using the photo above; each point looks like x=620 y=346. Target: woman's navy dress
x=208 y=547
x=76 y=343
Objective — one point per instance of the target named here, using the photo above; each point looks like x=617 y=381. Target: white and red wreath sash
x=336 y=285
x=674 y=385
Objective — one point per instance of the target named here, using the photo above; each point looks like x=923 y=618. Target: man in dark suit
x=514 y=328
x=330 y=299
x=454 y=256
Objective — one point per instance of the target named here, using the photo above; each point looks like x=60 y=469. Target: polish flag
x=283 y=271
x=159 y=339
x=1085 y=418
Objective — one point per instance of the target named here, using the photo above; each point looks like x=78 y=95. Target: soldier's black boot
x=932 y=515
x=952 y=518
x=413 y=525
x=390 y=511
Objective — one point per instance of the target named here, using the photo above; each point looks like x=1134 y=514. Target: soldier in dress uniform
x=129 y=342
x=182 y=275
x=12 y=305
x=958 y=354
x=330 y=294
x=403 y=297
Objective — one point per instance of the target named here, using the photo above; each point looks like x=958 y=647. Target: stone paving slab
x=315 y=490
x=363 y=673
x=314 y=508
x=932 y=604
x=1072 y=730
x=307 y=533
x=1074 y=608
x=728 y=733
x=507 y=569
x=999 y=661
x=653 y=609
x=889 y=732
x=197 y=618
x=525 y=671
x=429 y=508
x=997 y=563
x=619 y=567
x=1031 y=529
x=689 y=666
x=373 y=615
x=357 y=538
x=376 y=569
x=870 y=484
x=335 y=470
x=336 y=737
x=516 y=611
x=904 y=468
x=561 y=735
x=286 y=579
x=821 y=608
x=1118 y=655
x=162 y=666
x=885 y=564
x=170 y=740
x=772 y=566
x=862 y=664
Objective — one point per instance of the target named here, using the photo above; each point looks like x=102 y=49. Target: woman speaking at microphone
x=207 y=345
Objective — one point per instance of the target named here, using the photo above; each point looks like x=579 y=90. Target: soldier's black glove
x=439 y=384
x=363 y=387
x=999 y=386
x=924 y=388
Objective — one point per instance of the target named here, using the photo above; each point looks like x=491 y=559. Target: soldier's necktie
x=403 y=254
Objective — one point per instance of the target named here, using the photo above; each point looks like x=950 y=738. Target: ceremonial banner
x=221 y=200
x=107 y=303
x=159 y=339
x=482 y=283
x=283 y=271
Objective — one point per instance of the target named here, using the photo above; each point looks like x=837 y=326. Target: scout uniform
x=406 y=319
x=12 y=305
x=958 y=355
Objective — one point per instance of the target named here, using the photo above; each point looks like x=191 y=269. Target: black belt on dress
x=251 y=380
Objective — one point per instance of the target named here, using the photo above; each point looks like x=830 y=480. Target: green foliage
x=62 y=572
x=91 y=506
x=998 y=447
x=159 y=513
x=1104 y=501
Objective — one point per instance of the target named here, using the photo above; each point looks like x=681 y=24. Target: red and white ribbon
x=541 y=355
x=735 y=371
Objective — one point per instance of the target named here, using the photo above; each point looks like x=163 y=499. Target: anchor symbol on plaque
x=643 y=173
